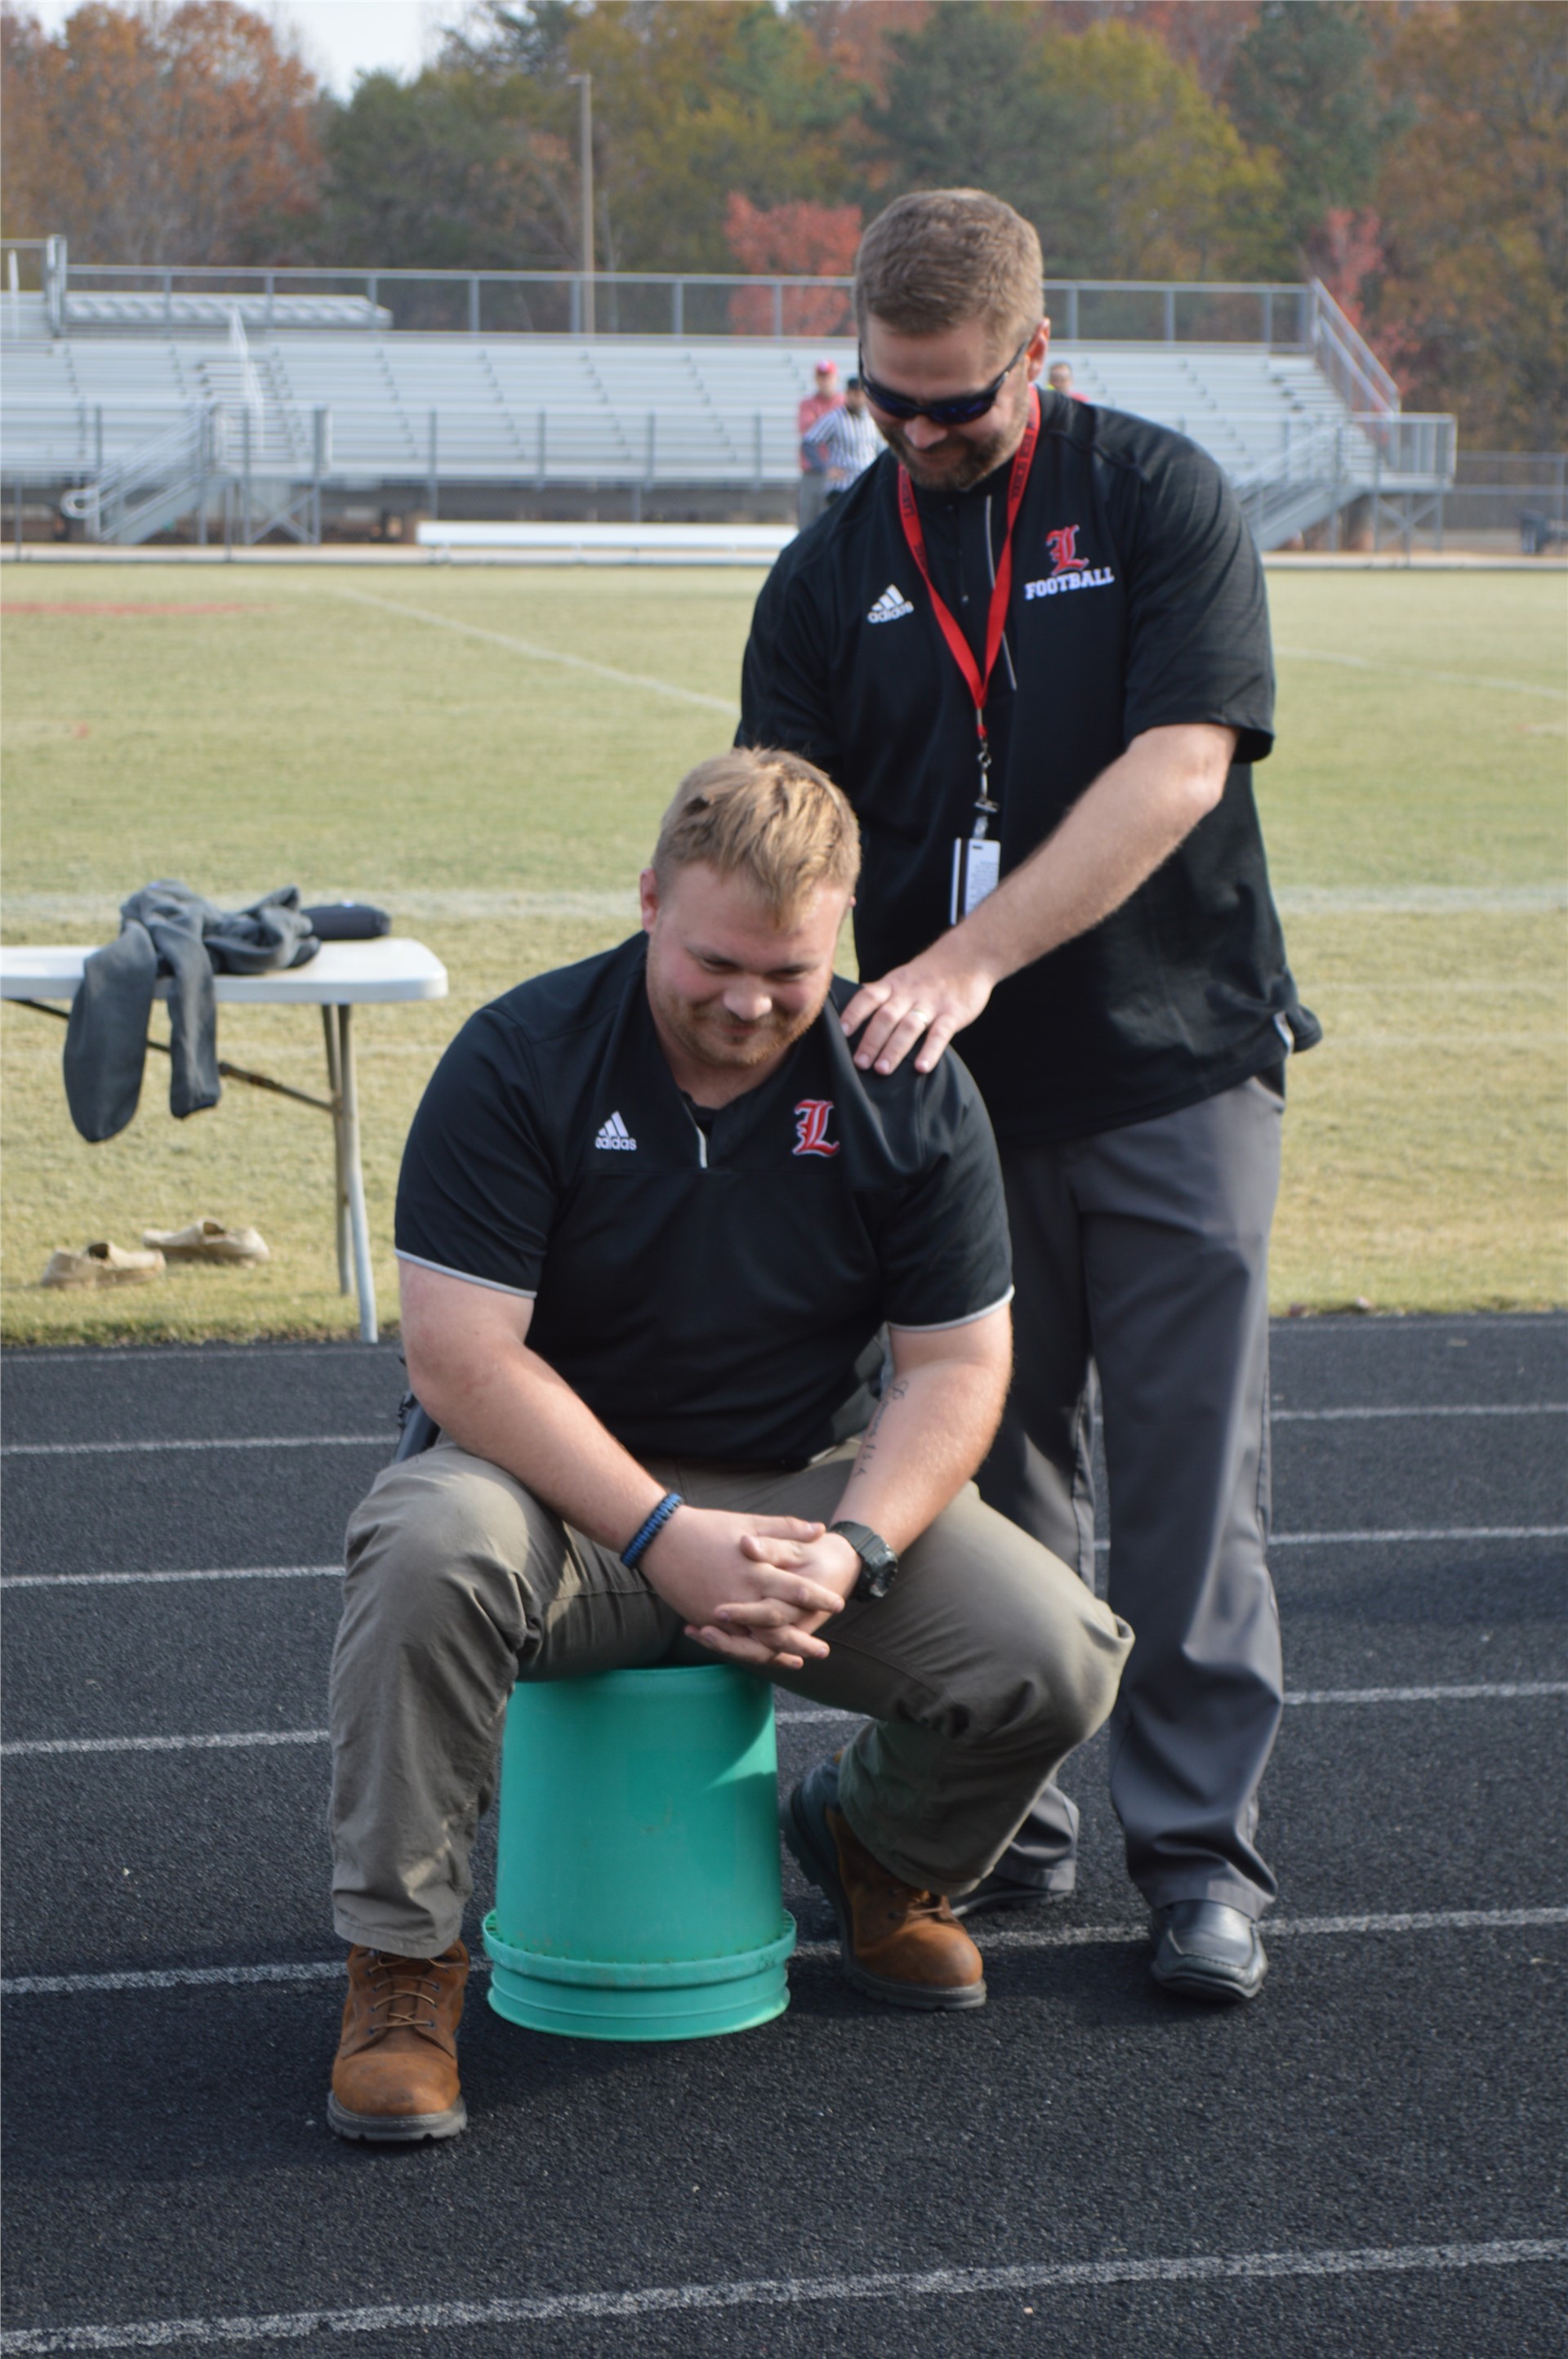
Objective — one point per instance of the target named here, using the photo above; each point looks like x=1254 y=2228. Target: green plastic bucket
x=637 y=1892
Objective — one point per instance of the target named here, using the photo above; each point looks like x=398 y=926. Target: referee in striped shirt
x=846 y=440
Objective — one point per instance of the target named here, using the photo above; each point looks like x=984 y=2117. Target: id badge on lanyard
x=977 y=871
x=977 y=857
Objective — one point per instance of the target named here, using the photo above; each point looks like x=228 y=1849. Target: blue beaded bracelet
x=650 y=1529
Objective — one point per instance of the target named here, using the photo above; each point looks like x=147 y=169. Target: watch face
x=877 y=1579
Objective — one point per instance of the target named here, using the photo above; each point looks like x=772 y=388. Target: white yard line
x=1122 y=1931
x=1423 y=672
x=537 y=654
x=789 y=2293
x=1421 y=900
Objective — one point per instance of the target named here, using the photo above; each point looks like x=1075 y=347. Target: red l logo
x=1064 y=548
x=811 y=1127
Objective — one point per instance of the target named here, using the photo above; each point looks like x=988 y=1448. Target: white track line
x=1501 y=1691
x=334 y=1571
x=1049 y=1936
x=788 y=2293
x=384 y=1441
x=1421 y=672
x=1352 y=1416
x=343 y=1440
x=236 y=1742
x=1433 y=1532
x=125 y=1580
x=1478 y=1692
x=537 y=654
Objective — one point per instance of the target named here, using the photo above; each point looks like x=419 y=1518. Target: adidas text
x=890 y=605
x=614 y=1134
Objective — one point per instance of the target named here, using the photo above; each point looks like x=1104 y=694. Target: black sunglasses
x=962 y=409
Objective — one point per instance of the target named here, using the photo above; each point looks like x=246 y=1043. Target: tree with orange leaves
x=797 y=241
x=158 y=134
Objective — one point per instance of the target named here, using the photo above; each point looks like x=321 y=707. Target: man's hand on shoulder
x=928 y=1001
x=755 y=1588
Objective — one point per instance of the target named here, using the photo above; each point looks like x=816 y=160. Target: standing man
x=1032 y=646
x=846 y=440
x=824 y=398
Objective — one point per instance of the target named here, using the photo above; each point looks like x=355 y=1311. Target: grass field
x=411 y=739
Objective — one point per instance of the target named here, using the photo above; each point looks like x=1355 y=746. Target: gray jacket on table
x=167 y=930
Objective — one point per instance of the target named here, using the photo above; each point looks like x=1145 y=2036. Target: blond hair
x=939 y=258
x=765 y=815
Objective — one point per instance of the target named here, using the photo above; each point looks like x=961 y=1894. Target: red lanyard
x=977 y=682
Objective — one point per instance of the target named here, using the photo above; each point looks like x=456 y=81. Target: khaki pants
x=981 y=1671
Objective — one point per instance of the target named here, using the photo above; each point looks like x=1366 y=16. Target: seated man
x=652 y=1223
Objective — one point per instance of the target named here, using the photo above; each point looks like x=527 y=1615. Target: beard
x=710 y=1038
x=961 y=460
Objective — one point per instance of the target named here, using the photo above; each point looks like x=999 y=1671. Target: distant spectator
x=814 y=483
x=846 y=440
x=1059 y=375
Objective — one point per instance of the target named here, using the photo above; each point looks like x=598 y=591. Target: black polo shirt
x=1138 y=602
x=710 y=1289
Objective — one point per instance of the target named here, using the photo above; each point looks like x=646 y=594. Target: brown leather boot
x=395 y=2077
x=898 y=1943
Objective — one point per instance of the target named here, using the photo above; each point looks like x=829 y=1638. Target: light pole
x=583 y=84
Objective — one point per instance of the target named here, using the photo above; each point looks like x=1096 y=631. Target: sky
x=339 y=38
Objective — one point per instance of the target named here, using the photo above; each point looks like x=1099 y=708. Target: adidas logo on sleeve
x=890 y=605
x=614 y=1134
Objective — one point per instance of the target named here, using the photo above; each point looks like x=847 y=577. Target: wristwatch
x=879 y=1565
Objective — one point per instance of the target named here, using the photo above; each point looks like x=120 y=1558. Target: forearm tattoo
x=894 y=1392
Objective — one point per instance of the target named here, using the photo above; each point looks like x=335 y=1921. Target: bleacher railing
x=1278 y=315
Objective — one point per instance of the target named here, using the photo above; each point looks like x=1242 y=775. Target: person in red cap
x=815 y=479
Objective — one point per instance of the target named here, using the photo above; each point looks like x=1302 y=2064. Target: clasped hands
x=755 y=1588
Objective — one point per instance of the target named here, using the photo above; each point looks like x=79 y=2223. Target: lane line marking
x=1433 y=1532
x=776 y=2293
x=235 y=1742
x=1421 y=672
x=1506 y=1691
x=1055 y=1936
x=538 y=654
x=345 y=1441
x=1350 y=1416
x=387 y=1441
x=1479 y=1691
x=1102 y=1548
x=124 y=1580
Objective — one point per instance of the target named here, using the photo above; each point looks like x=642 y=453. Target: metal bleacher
x=153 y=415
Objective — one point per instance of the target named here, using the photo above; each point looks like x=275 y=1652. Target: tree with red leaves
x=796 y=241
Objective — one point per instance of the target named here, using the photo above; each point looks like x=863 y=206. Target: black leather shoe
x=996 y=1892
x=1205 y=1950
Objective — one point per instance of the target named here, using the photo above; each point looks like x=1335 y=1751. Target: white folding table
x=340 y=978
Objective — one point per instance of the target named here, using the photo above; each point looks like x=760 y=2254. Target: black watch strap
x=879 y=1565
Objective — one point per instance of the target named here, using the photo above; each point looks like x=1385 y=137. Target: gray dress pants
x=1141 y=1259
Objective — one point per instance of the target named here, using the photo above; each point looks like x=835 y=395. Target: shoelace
x=418 y=1982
